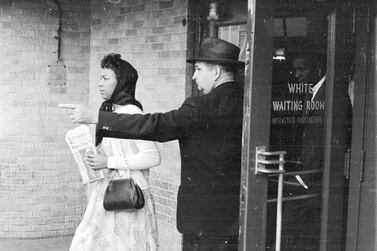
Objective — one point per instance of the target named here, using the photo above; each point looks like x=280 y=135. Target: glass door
x=298 y=125
x=298 y=101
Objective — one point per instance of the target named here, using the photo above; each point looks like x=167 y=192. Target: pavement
x=48 y=244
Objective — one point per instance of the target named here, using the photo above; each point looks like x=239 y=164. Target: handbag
x=123 y=194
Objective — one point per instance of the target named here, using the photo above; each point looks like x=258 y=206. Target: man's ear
x=217 y=71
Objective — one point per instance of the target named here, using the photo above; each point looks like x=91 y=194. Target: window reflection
x=234 y=34
x=297 y=126
x=298 y=120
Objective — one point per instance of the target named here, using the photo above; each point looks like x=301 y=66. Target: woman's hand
x=96 y=161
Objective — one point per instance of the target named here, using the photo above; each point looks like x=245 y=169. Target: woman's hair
x=126 y=76
x=125 y=73
x=113 y=61
x=124 y=92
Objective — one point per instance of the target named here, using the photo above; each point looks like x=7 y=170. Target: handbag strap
x=128 y=172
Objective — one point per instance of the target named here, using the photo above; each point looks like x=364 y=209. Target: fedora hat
x=216 y=50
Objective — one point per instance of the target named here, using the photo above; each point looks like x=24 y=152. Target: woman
x=131 y=230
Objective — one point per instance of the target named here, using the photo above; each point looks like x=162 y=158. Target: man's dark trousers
x=209 y=243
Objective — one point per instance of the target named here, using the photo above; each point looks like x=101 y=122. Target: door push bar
x=260 y=169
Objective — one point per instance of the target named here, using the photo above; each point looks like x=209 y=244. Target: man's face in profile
x=301 y=70
x=204 y=77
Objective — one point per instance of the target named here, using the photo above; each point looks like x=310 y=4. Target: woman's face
x=107 y=83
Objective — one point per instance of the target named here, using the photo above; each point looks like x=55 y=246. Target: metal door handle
x=261 y=162
x=260 y=168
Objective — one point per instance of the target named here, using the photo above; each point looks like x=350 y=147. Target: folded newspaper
x=80 y=142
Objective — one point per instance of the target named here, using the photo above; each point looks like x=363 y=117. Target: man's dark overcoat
x=209 y=130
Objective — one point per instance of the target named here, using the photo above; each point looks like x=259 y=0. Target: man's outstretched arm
x=81 y=114
x=160 y=127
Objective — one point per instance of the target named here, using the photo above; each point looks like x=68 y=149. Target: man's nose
x=194 y=75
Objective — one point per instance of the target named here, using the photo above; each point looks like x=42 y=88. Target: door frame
x=257 y=102
x=358 y=127
x=362 y=220
x=256 y=125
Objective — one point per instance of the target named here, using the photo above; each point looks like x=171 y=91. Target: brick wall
x=150 y=35
x=41 y=194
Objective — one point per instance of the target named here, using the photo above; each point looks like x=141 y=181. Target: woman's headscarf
x=124 y=91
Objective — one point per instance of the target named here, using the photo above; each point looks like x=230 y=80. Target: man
x=312 y=121
x=301 y=224
x=296 y=85
x=299 y=214
x=209 y=130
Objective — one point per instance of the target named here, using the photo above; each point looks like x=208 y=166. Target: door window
x=299 y=113
x=297 y=126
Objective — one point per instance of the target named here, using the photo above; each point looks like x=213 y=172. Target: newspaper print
x=80 y=142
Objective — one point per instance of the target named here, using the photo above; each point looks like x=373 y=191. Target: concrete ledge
x=50 y=244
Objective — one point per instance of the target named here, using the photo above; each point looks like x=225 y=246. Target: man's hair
x=306 y=57
x=313 y=61
x=224 y=67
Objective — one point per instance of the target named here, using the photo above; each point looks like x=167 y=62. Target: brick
x=7 y=3
x=72 y=27
x=179 y=54
x=166 y=4
x=151 y=23
x=178 y=20
x=113 y=41
x=172 y=12
x=165 y=38
x=21 y=75
x=164 y=54
x=14 y=228
x=178 y=37
x=156 y=14
x=164 y=21
x=159 y=46
x=96 y=21
x=72 y=35
x=137 y=24
x=5 y=18
x=138 y=8
x=125 y=10
x=150 y=39
x=119 y=19
x=24 y=5
x=85 y=50
x=8 y=25
x=132 y=32
x=137 y=55
x=33 y=26
x=12 y=11
x=5 y=61
x=131 y=2
x=158 y=30
x=163 y=71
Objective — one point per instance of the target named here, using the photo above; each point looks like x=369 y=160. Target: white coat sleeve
x=147 y=156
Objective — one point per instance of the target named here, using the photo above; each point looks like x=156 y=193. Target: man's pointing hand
x=81 y=114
